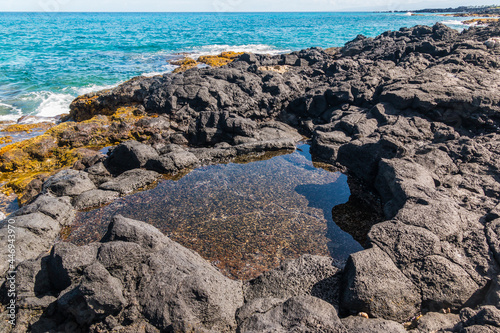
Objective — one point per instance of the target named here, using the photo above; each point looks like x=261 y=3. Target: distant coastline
x=478 y=15
x=490 y=9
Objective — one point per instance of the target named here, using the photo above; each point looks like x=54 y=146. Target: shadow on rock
x=323 y=196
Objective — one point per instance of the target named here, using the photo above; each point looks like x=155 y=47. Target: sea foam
x=215 y=49
x=13 y=113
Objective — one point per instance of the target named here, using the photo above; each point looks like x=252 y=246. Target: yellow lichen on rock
x=230 y=54
x=221 y=59
x=28 y=128
x=184 y=64
x=484 y=21
x=61 y=146
x=18 y=184
x=5 y=139
x=86 y=106
x=127 y=113
x=214 y=61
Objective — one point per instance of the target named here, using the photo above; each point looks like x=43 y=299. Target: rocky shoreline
x=413 y=114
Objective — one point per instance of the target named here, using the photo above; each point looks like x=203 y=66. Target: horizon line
x=211 y=12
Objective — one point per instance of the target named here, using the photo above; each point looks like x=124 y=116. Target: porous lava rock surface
x=413 y=114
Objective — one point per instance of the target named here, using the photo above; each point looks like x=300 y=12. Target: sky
x=227 y=5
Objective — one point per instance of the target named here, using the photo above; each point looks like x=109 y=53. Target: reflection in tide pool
x=245 y=218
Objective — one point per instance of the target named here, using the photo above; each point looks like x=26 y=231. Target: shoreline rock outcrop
x=414 y=114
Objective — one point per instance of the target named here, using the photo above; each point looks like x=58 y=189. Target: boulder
x=373 y=284
x=326 y=144
x=400 y=179
x=488 y=316
x=210 y=155
x=130 y=181
x=32 y=243
x=98 y=173
x=68 y=183
x=404 y=243
x=124 y=229
x=94 y=198
x=33 y=284
x=358 y=324
x=194 y=295
x=434 y=321
x=59 y=209
x=39 y=224
x=308 y=275
x=443 y=284
x=173 y=162
x=67 y=261
x=363 y=155
x=260 y=146
x=130 y=155
x=297 y=314
x=97 y=296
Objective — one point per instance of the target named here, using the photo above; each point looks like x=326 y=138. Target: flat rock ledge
x=414 y=114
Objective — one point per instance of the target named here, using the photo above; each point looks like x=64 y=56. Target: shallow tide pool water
x=245 y=218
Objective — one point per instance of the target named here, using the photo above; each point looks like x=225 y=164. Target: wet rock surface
x=414 y=114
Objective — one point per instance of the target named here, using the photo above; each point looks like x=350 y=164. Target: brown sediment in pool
x=244 y=218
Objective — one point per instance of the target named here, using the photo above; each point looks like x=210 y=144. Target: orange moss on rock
x=86 y=106
x=221 y=59
x=481 y=21
x=230 y=54
x=62 y=145
x=184 y=64
x=28 y=128
x=214 y=61
x=128 y=113
x=5 y=139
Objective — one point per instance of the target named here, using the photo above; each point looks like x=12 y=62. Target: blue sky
x=226 y=5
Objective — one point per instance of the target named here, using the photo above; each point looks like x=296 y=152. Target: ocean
x=47 y=59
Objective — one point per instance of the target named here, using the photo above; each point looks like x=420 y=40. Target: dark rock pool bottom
x=243 y=217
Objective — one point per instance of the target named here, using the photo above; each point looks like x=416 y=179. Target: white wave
x=168 y=69
x=462 y=24
x=14 y=112
x=151 y=74
x=92 y=88
x=408 y=14
x=476 y=24
x=252 y=48
x=453 y=22
x=52 y=104
x=49 y=105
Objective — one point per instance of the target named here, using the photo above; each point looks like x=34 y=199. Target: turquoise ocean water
x=47 y=59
